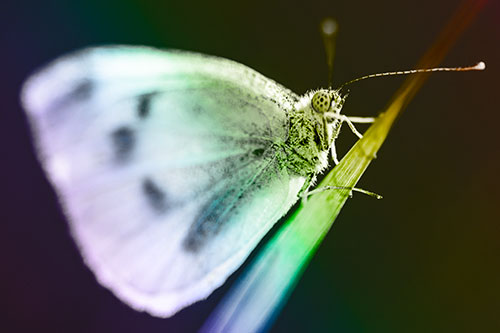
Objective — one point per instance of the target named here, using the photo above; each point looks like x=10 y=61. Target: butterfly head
x=327 y=101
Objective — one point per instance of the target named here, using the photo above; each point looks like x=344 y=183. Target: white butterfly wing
x=165 y=163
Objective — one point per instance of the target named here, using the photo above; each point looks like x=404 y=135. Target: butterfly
x=170 y=166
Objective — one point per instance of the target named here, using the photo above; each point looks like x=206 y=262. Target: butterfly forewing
x=165 y=164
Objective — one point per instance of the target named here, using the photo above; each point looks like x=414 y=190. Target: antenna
x=477 y=67
x=328 y=29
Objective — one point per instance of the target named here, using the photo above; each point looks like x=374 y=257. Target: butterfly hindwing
x=165 y=164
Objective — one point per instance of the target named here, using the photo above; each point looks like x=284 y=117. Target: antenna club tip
x=480 y=66
x=329 y=26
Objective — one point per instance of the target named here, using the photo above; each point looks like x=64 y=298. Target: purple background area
x=426 y=258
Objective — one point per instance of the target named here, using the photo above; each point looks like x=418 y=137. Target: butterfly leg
x=361 y=120
x=351 y=120
x=352 y=189
x=333 y=150
x=351 y=126
x=303 y=193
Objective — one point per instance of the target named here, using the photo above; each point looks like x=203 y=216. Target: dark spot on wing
x=83 y=90
x=144 y=105
x=80 y=92
x=197 y=109
x=123 y=139
x=155 y=196
x=209 y=222
x=197 y=236
x=222 y=208
x=258 y=152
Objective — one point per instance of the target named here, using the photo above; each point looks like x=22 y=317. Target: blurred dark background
x=424 y=259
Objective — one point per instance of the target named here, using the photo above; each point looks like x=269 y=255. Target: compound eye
x=321 y=101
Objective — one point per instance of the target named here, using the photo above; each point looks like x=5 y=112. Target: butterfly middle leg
x=306 y=195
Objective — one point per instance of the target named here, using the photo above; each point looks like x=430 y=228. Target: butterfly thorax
x=310 y=135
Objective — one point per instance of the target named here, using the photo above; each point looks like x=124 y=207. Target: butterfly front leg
x=351 y=120
x=333 y=151
x=361 y=120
